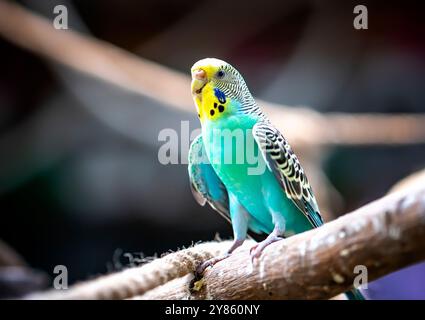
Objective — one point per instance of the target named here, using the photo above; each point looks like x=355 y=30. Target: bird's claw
x=254 y=252
x=197 y=281
x=202 y=267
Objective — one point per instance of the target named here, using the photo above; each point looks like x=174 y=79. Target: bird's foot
x=257 y=249
x=197 y=281
x=211 y=262
x=208 y=263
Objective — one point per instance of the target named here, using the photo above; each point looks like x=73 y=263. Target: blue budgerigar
x=278 y=200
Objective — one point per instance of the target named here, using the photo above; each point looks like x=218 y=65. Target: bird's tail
x=354 y=294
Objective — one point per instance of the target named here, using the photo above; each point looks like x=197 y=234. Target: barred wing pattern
x=283 y=162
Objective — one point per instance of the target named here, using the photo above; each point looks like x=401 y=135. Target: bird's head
x=217 y=88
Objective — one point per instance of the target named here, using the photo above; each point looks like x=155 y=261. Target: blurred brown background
x=80 y=181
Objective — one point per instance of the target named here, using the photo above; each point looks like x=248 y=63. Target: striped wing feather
x=286 y=167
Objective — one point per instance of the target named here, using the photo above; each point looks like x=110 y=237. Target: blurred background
x=80 y=180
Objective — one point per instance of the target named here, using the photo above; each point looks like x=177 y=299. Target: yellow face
x=211 y=103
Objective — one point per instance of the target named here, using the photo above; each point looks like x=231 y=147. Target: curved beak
x=199 y=80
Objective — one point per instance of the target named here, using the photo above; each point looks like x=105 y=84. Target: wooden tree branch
x=414 y=180
x=384 y=236
x=9 y=257
x=138 y=280
x=111 y=64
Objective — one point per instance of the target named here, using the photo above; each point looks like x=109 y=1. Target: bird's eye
x=220 y=74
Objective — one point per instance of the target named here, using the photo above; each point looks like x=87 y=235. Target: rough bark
x=137 y=280
x=384 y=236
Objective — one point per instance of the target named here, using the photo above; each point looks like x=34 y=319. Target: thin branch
x=111 y=64
x=9 y=257
x=138 y=280
x=384 y=236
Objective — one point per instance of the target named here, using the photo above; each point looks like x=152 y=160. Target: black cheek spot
x=212 y=112
x=220 y=108
x=215 y=105
x=199 y=115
